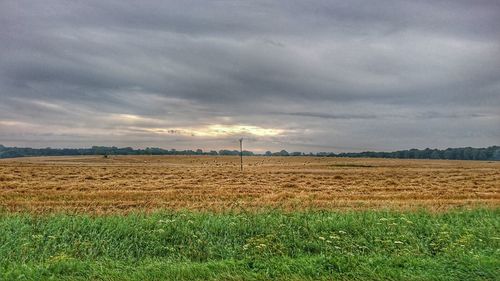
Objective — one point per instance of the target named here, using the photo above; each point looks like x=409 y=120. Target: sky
x=297 y=75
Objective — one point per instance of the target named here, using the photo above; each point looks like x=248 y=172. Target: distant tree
x=426 y=153
x=482 y=155
x=284 y=153
x=468 y=153
x=449 y=154
x=435 y=155
x=229 y=152
x=496 y=155
x=247 y=153
x=268 y=153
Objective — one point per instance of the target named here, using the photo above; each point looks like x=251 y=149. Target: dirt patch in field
x=133 y=183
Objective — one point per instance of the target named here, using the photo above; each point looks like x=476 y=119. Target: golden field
x=95 y=184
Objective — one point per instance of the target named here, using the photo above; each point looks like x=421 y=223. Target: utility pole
x=241 y=154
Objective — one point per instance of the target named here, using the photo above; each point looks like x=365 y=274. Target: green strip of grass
x=367 y=245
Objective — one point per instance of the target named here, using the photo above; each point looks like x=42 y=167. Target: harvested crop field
x=120 y=184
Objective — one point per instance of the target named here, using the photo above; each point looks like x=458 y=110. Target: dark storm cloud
x=301 y=75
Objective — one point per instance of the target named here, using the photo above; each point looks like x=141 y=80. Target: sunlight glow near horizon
x=224 y=130
x=218 y=130
x=215 y=130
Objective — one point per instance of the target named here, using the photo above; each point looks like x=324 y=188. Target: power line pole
x=241 y=154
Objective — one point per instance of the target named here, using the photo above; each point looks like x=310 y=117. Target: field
x=147 y=183
x=282 y=218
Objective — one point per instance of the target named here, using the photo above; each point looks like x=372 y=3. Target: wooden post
x=241 y=154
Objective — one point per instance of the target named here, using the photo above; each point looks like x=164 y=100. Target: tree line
x=463 y=153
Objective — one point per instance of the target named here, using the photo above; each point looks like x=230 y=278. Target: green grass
x=367 y=245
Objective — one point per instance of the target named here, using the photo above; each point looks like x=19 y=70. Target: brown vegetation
x=128 y=183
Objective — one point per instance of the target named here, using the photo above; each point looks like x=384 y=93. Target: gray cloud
x=312 y=76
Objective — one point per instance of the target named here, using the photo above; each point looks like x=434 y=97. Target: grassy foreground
x=457 y=245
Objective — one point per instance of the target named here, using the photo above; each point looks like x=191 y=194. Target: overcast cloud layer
x=295 y=75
